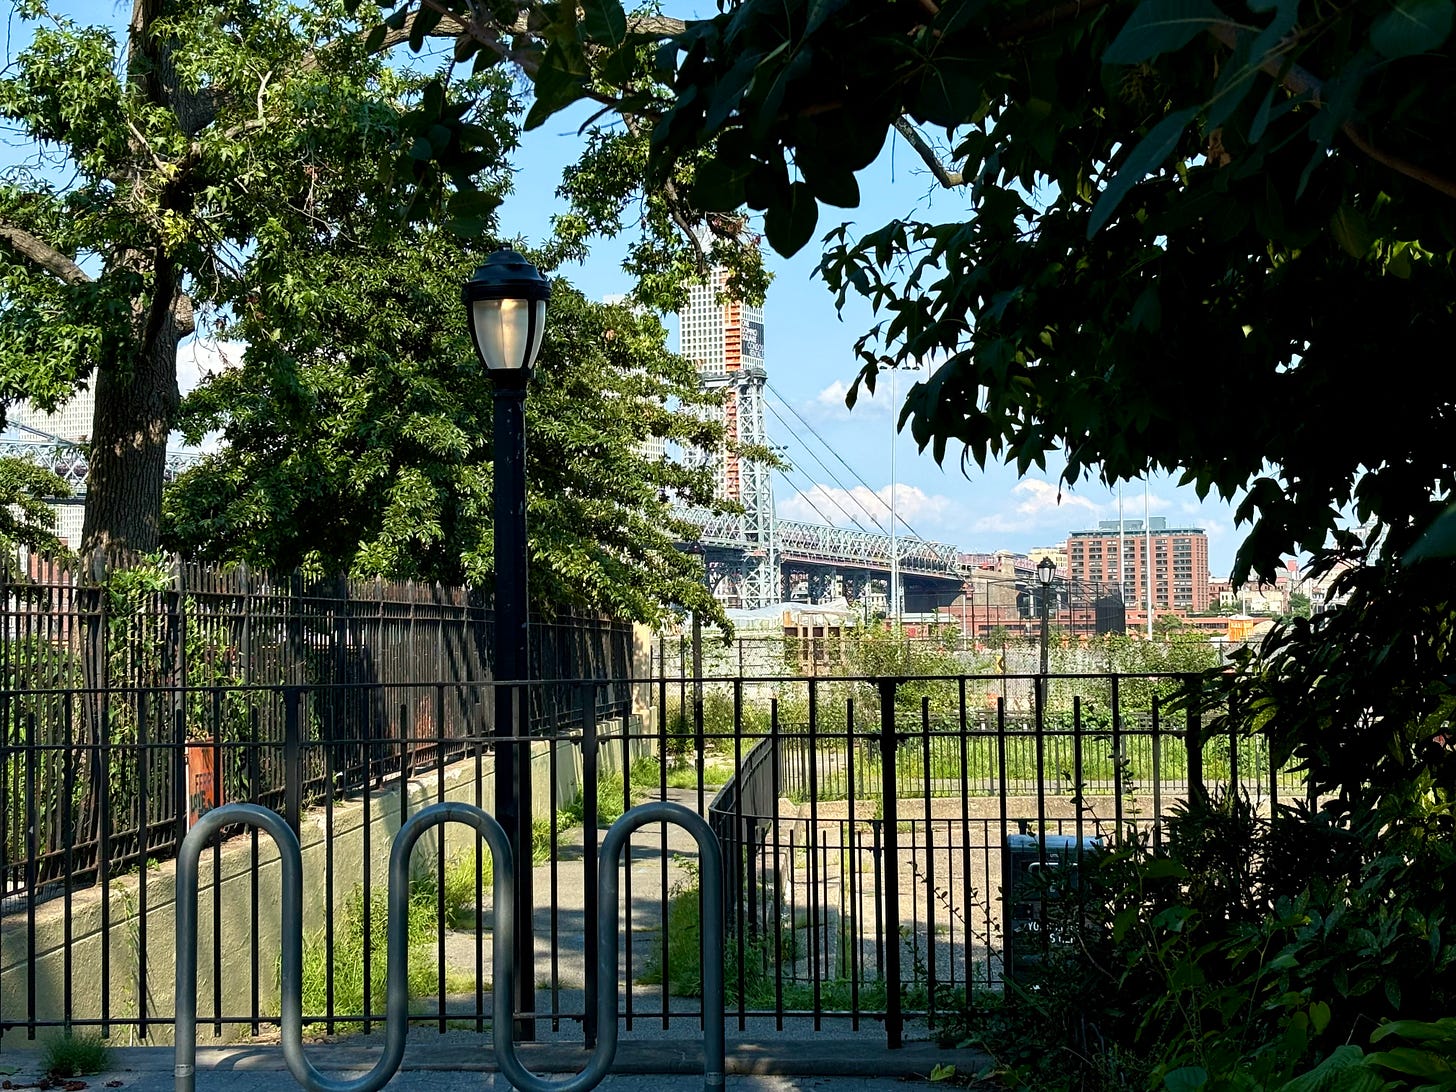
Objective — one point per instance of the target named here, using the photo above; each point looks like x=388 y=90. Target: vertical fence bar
x=741 y=849
x=1116 y=761
x=1196 y=787
x=68 y=839
x=253 y=908
x=854 y=884
x=219 y=784
x=329 y=877
x=894 y=1019
x=293 y=758
x=32 y=880
x=587 y=712
x=145 y=773
x=440 y=863
x=1007 y=944
x=1157 y=773
x=777 y=745
x=811 y=841
x=1233 y=739
x=929 y=853
x=103 y=860
x=967 y=908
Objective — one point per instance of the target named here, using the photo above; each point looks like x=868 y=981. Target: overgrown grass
x=76 y=1055
x=766 y=975
x=354 y=951
x=459 y=883
x=978 y=765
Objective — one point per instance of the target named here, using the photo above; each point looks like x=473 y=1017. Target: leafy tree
x=165 y=167
x=358 y=436
x=25 y=519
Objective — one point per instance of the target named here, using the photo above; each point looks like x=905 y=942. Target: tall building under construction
x=724 y=339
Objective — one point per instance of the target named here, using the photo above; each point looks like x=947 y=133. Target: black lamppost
x=506 y=302
x=1046 y=572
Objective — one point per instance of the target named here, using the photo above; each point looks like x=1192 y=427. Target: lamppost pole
x=1046 y=572
x=506 y=304
x=512 y=663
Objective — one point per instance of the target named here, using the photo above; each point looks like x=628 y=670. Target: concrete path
x=460 y=1062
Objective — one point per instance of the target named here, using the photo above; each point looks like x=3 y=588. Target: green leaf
x=1352 y=231
x=1161 y=868
x=1413 y=1062
x=719 y=185
x=426 y=20
x=1344 y=1068
x=375 y=41
x=1161 y=26
x=838 y=188
x=789 y=224
x=1417 y=1031
x=468 y=203
x=819 y=11
x=1147 y=157
x=1413 y=26
x=1439 y=541
x=557 y=86
x=604 y=21
x=1319 y=1016
x=1190 y=1078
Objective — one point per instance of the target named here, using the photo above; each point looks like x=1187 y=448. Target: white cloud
x=828 y=404
x=1038 y=505
x=930 y=513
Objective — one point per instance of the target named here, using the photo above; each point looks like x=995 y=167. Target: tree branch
x=1413 y=171
x=944 y=175
x=1045 y=20
x=1300 y=81
x=44 y=255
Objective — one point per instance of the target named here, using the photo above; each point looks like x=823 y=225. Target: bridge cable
x=847 y=492
x=886 y=504
x=807 y=498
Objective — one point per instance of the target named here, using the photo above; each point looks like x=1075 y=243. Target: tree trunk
x=134 y=412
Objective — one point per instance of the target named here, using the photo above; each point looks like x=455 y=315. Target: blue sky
x=810 y=362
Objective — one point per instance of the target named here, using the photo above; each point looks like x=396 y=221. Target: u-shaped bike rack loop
x=397 y=946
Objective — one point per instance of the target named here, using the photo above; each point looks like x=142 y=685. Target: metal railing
x=864 y=823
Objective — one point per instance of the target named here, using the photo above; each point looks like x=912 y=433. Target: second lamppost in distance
x=1046 y=572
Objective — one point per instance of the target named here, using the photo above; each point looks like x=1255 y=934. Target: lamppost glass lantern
x=1046 y=572
x=506 y=298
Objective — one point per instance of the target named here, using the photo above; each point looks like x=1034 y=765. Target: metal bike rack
x=397 y=946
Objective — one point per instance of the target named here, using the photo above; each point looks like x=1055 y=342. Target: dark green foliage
x=1242 y=952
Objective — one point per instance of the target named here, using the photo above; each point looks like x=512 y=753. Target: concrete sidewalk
x=458 y=1062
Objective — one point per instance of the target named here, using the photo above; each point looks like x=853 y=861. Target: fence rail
x=870 y=832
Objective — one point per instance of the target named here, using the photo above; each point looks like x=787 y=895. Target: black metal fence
x=113 y=681
x=866 y=825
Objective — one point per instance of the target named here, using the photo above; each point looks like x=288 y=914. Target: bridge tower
x=724 y=339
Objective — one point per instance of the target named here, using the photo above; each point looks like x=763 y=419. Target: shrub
x=74 y=1055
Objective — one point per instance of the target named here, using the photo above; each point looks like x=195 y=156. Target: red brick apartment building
x=1179 y=569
